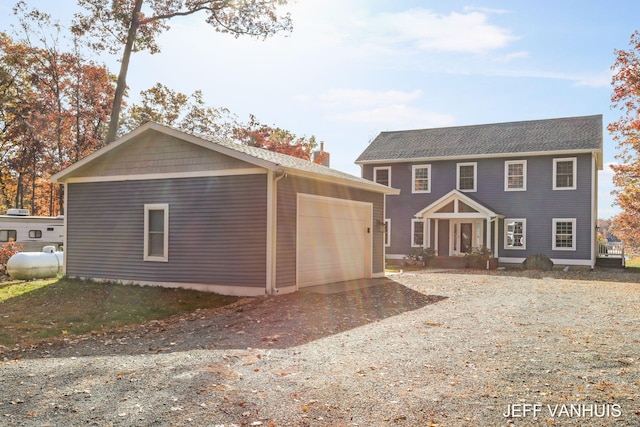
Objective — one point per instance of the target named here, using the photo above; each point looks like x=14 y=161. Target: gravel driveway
x=421 y=349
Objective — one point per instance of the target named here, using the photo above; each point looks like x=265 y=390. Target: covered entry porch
x=455 y=224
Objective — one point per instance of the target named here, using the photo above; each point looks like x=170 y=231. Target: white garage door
x=334 y=240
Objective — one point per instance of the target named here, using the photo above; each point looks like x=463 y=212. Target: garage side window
x=156 y=232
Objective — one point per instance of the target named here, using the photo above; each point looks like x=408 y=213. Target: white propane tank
x=35 y=265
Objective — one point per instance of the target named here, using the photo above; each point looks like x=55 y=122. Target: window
x=156 y=232
x=387 y=232
x=564 y=230
x=35 y=234
x=564 y=174
x=515 y=175
x=6 y=235
x=466 y=176
x=382 y=175
x=421 y=178
x=417 y=233
x=515 y=231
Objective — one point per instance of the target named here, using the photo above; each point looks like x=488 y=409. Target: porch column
x=496 y=221
x=488 y=233
x=436 y=239
x=427 y=234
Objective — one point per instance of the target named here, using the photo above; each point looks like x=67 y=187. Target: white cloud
x=599 y=80
x=359 y=97
x=467 y=32
x=396 y=116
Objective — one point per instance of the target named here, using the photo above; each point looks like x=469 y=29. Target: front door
x=461 y=238
x=466 y=233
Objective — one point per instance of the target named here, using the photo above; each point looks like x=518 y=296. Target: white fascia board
x=480 y=156
x=60 y=176
x=343 y=181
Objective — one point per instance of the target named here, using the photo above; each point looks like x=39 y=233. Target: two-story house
x=517 y=189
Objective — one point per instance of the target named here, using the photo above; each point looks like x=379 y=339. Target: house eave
x=64 y=174
x=377 y=188
x=598 y=152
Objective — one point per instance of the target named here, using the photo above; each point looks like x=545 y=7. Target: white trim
x=574 y=236
x=574 y=160
x=507 y=163
x=170 y=175
x=475 y=176
x=482 y=211
x=556 y=261
x=167 y=131
x=64 y=228
x=413 y=179
x=413 y=224
x=524 y=234
x=375 y=178
x=480 y=156
x=156 y=207
x=387 y=223
x=271 y=214
x=594 y=210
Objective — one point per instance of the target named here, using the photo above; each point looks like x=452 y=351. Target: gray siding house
x=516 y=188
x=163 y=207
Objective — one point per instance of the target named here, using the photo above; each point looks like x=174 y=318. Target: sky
x=353 y=68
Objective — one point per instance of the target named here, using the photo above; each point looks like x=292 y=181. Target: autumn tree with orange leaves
x=626 y=132
x=55 y=107
x=278 y=140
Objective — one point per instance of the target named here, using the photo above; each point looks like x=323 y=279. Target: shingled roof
x=571 y=134
x=253 y=155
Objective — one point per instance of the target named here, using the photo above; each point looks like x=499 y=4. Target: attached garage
x=239 y=220
x=334 y=239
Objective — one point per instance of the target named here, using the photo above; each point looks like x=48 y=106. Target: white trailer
x=33 y=232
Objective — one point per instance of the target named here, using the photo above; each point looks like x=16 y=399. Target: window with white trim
x=515 y=232
x=515 y=175
x=156 y=232
x=387 y=232
x=564 y=174
x=421 y=179
x=35 y=234
x=382 y=175
x=466 y=176
x=564 y=234
x=417 y=233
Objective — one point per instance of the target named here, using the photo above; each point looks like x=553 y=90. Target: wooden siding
x=539 y=204
x=288 y=188
x=157 y=153
x=217 y=230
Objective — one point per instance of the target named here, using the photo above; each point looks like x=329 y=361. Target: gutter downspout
x=272 y=227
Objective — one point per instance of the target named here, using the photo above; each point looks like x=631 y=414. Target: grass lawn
x=41 y=309
x=633 y=263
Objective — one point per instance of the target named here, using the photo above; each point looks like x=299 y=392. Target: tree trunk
x=122 y=77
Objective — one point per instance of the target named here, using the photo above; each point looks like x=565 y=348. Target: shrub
x=7 y=250
x=478 y=258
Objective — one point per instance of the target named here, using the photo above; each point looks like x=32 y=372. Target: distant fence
x=611 y=250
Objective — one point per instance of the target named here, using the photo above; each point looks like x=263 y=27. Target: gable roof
x=253 y=155
x=432 y=211
x=567 y=135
